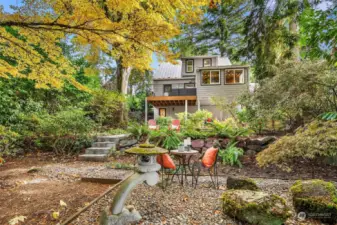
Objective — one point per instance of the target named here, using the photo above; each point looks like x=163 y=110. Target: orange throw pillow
x=209 y=158
x=166 y=161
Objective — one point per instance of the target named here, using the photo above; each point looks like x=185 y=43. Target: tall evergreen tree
x=219 y=31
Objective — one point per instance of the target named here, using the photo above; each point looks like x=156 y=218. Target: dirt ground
x=36 y=194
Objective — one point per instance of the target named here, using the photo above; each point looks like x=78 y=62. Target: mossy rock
x=316 y=198
x=146 y=145
x=243 y=183
x=146 y=149
x=255 y=207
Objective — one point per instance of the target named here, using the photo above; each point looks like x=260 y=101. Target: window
x=167 y=88
x=207 y=62
x=162 y=112
x=189 y=66
x=235 y=76
x=189 y=85
x=210 y=77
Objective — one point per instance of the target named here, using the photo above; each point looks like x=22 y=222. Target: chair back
x=175 y=125
x=166 y=161
x=210 y=157
x=152 y=123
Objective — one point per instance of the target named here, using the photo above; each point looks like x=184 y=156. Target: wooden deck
x=171 y=100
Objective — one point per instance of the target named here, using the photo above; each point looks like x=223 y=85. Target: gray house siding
x=198 y=62
x=230 y=91
x=158 y=85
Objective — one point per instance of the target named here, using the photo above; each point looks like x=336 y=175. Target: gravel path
x=74 y=171
x=181 y=205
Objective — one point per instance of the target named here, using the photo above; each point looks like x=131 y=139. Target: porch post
x=146 y=110
x=198 y=104
x=186 y=109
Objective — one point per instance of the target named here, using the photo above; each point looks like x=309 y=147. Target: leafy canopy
x=131 y=30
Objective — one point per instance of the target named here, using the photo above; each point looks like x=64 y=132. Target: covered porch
x=165 y=101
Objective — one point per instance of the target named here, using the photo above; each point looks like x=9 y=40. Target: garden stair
x=102 y=148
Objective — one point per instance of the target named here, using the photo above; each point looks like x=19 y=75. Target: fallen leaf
x=87 y=203
x=56 y=215
x=62 y=203
x=17 y=219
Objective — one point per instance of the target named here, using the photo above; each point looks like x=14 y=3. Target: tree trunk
x=293 y=28
x=123 y=75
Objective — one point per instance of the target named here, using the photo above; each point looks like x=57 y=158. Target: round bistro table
x=184 y=163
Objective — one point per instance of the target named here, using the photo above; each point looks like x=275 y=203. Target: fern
x=231 y=155
x=171 y=140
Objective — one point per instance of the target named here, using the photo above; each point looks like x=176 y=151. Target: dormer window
x=189 y=66
x=207 y=62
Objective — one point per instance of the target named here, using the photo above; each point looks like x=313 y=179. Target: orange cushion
x=166 y=161
x=209 y=158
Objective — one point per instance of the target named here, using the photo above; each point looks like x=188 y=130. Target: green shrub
x=164 y=121
x=230 y=129
x=139 y=131
x=116 y=131
x=319 y=138
x=231 y=155
x=8 y=141
x=171 y=139
x=195 y=134
x=194 y=120
x=105 y=107
x=65 y=132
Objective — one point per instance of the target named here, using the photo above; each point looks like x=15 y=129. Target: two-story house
x=189 y=85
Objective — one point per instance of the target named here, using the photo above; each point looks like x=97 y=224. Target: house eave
x=222 y=67
x=182 y=78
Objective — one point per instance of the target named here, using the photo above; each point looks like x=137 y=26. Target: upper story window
x=234 y=76
x=209 y=77
x=207 y=62
x=189 y=66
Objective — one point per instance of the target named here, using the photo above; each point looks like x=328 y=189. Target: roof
x=221 y=61
x=199 y=56
x=222 y=67
x=168 y=71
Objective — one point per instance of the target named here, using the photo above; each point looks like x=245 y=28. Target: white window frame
x=203 y=62
x=189 y=60
x=210 y=77
x=243 y=74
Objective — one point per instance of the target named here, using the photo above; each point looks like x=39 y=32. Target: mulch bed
x=36 y=193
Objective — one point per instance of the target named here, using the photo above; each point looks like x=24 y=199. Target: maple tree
x=129 y=31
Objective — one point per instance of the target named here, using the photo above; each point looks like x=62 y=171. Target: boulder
x=209 y=145
x=267 y=140
x=261 y=141
x=198 y=144
x=242 y=183
x=250 y=153
x=224 y=142
x=317 y=199
x=241 y=144
x=256 y=148
x=255 y=207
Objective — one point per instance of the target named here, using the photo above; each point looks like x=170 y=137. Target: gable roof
x=167 y=70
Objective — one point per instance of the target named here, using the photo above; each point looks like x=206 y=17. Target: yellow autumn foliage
x=127 y=29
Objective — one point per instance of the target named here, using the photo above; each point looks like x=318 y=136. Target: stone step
x=93 y=157
x=104 y=144
x=97 y=150
x=111 y=138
